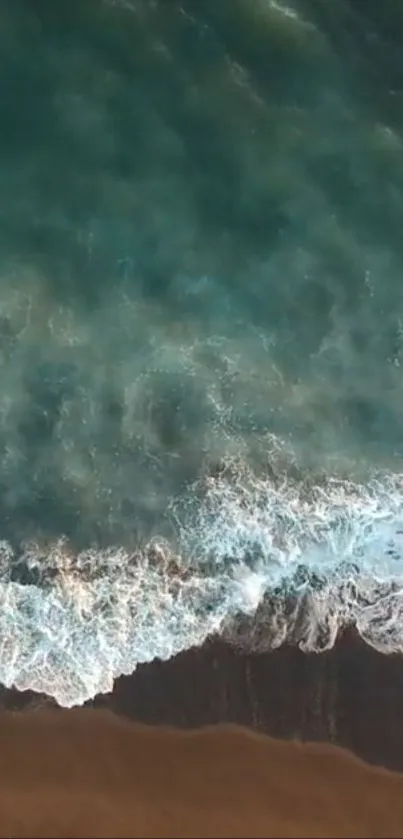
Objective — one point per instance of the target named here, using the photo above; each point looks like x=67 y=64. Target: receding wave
x=261 y=559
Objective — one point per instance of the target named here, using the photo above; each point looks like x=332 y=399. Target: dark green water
x=225 y=174
x=200 y=247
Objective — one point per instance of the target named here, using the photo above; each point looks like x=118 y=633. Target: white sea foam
x=262 y=560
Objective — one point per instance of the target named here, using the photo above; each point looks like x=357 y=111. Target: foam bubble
x=262 y=560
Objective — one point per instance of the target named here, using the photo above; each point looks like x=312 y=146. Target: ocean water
x=201 y=331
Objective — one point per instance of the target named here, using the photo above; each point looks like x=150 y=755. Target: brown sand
x=88 y=773
x=350 y=695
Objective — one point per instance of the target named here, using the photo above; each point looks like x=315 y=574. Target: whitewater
x=260 y=561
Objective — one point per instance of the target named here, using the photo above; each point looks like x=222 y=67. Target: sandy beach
x=89 y=773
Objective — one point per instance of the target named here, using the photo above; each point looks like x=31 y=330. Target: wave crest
x=262 y=559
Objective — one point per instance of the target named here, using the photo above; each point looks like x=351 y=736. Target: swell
x=261 y=558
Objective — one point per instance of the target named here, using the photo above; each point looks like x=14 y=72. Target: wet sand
x=350 y=696
x=90 y=773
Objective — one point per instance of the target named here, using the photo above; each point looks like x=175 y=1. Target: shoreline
x=349 y=696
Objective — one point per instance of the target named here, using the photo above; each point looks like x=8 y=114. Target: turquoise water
x=201 y=321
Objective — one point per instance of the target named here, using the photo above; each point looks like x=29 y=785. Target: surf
x=261 y=559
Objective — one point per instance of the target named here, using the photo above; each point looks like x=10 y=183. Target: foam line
x=262 y=560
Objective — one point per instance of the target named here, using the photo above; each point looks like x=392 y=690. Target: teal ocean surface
x=201 y=331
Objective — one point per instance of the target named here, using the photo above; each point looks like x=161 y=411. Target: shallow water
x=201 y=321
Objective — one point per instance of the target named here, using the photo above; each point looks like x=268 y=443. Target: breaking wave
x=259 y=558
